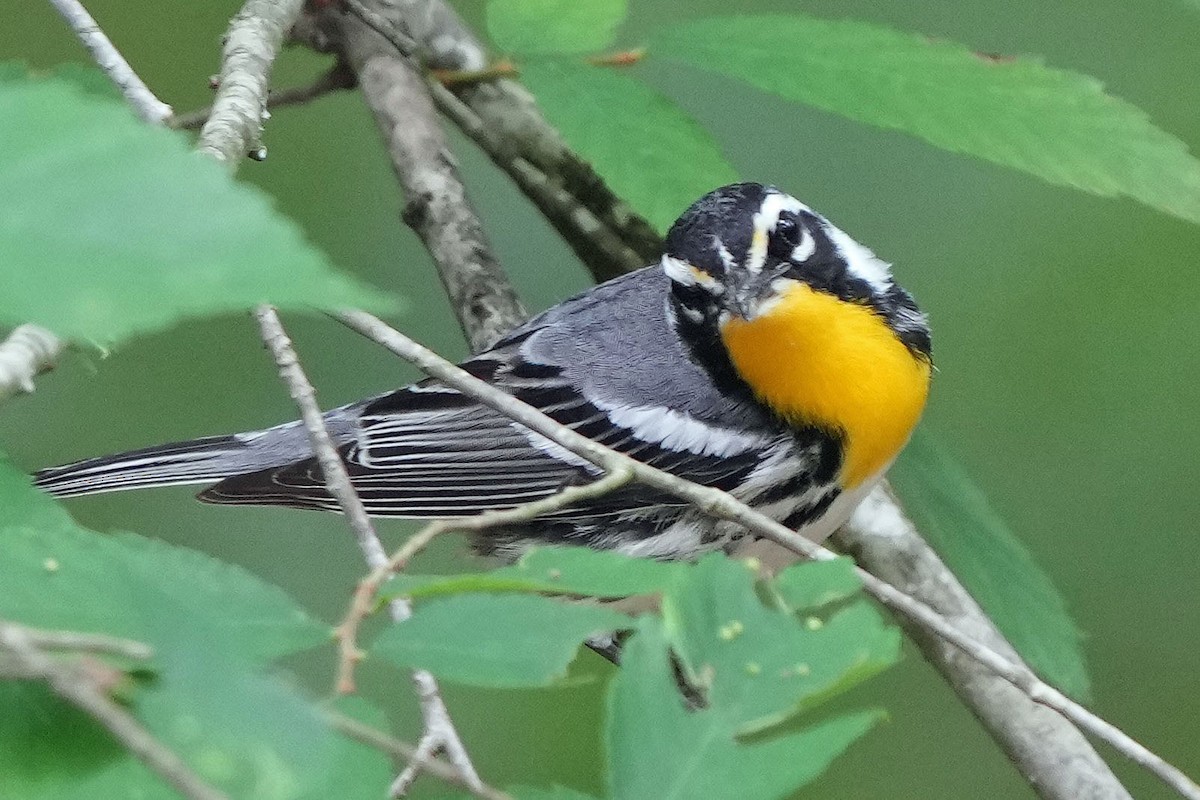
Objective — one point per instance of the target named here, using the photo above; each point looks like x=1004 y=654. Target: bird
x=768 y=354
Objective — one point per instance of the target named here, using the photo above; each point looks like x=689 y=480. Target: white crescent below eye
x=803 y=251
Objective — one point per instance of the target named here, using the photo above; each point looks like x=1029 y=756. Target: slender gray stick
x=723 y=506
x=332 y=80
x=373 y=737
x=76 y=689
x=28 y=351
x=234 y=128
x=109 y=59
x=440 y=732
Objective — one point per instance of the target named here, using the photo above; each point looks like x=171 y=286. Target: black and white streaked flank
x=631 y=363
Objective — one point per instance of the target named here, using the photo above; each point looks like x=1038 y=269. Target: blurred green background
x=1066 y=336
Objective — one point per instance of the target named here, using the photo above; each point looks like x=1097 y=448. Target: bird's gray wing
x=606 y=364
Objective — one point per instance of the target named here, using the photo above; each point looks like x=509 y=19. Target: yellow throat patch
x=819 y=360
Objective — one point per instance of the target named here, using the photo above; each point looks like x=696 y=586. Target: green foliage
x=213 y=628
x=756 y=665
x=534 y=27
x=551 y=570
x=496 y=641
x=816 y=584
x=697 y=754
x=956 y=518
x=122 y=230
x=1057 y=125
x=654 y=155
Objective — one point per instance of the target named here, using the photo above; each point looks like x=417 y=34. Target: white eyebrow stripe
x=765 y=219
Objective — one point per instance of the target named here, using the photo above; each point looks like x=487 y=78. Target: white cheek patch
x=861 y=263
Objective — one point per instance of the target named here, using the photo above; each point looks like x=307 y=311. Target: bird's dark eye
x=786 y=236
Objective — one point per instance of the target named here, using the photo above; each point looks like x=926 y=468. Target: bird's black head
x=731 y=252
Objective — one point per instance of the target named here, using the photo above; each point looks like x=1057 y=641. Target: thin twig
x=110 y=60
x=364 y=595
x=28 y=351
x=234 y=129
x=373 y=737
x=440 y=732
x=89 y=643
x=72 y=685
x=332 y=80
x=721 y=505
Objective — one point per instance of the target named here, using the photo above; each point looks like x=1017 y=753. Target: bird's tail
x=198 y=461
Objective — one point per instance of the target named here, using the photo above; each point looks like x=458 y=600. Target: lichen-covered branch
x=113 y=64
x=1041 y=743
x=594 y=242
x=437 y=206
x=234 y=128
x=28 y=351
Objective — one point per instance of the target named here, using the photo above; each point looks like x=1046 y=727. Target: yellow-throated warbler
x=771 y=355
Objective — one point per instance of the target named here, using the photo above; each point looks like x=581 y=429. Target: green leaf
x=757 y=666
x=543 y=27
x=813 y=584
x=56 y=574
x=551 y=570
x=957 y=520
x=211 y=627
x=121 y=229
x=1057 y=125
x=357 y=772
x=657 y=157
x=657 y=749
x=496 y=640
x=547 y=793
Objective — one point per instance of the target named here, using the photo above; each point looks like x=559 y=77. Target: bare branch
x=73 y=686
x=109 y=59
x=234 y=129
x=440 y=732
x=511 y=113
x=1039 y=742
x=334 y=79
x=722 y=506
x=28 y=351
x=602 y=251
x=372 y=737
x=437 y=208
